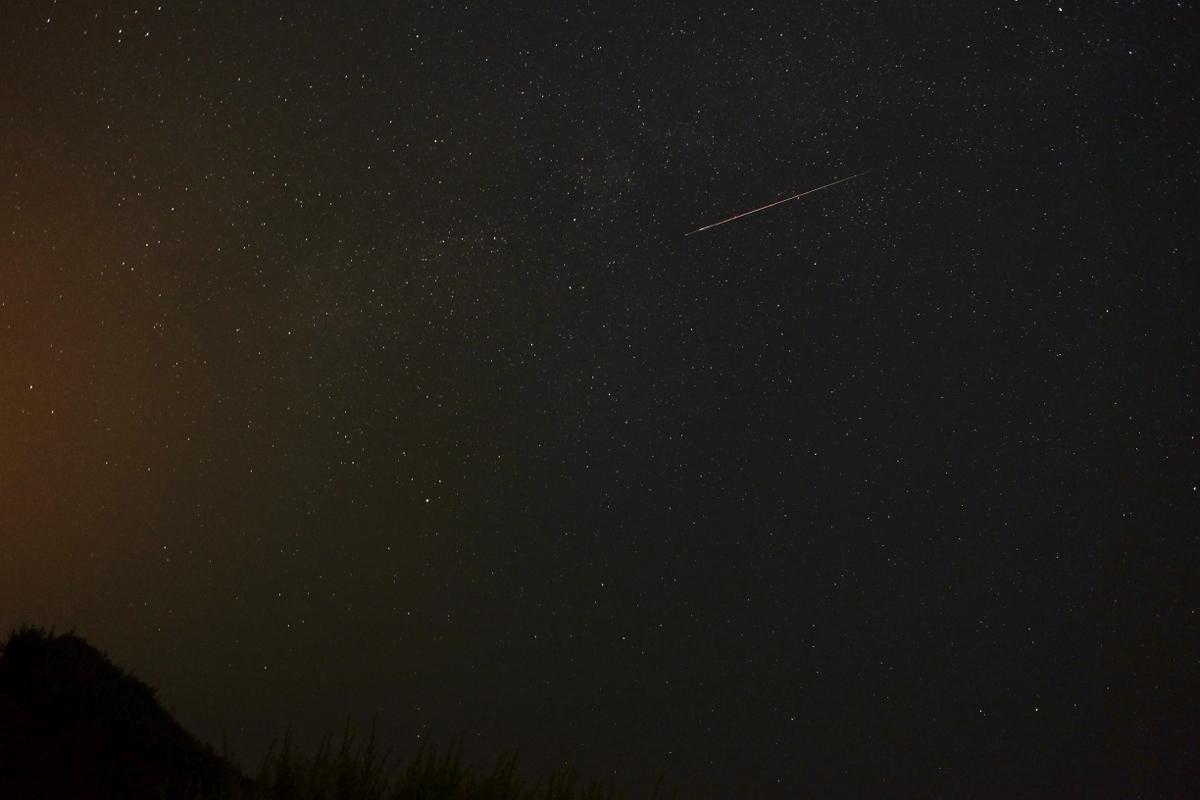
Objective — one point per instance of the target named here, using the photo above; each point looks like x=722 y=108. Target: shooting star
x=777 y=202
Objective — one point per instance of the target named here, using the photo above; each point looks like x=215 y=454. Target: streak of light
x=777 y=202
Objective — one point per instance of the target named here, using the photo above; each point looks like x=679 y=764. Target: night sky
x=354 y=360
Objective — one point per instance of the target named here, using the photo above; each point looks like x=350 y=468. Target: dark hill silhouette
x=74 y=725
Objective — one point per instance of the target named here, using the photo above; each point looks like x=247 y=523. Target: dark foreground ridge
x=74 y=725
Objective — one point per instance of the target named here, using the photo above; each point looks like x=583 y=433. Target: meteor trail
x=777 y=202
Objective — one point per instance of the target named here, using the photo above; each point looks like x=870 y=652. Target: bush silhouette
x=73 y=725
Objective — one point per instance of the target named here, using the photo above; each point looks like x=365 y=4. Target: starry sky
x=354 y=361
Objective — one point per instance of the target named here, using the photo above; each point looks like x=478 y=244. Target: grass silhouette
x=360 y=771
x=74 y=725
